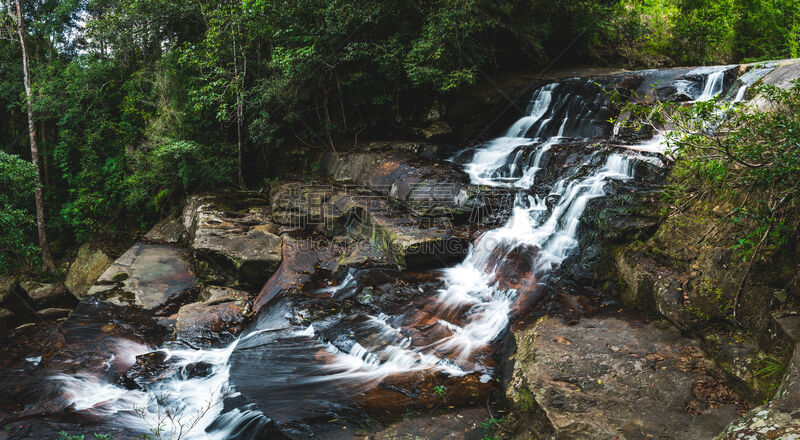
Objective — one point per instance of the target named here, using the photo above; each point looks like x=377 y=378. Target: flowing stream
x=302 y=371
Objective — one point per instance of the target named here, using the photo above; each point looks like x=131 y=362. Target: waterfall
x=307 y=370
x=712 y=85
x=570 y=109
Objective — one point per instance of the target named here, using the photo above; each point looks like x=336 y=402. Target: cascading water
x=712 y=85
x=303 y=371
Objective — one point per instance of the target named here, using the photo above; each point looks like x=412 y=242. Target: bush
x=165 y=172
x=745 y=156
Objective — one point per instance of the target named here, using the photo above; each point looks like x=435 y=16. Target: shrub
x=165 y=172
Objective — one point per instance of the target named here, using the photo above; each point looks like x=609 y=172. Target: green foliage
x=687 y=32
x=63 y=435
x=746 y=157
x=17 y=221
x=771 y=371
x=143 y=107
x=166 y=172
x=440 y=390
x=771 y=367
x=492 y=427
x=704 y=31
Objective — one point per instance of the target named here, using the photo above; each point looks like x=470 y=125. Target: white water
x=712 y=86
x=532 y=226
x=488 y=160
x=473 y=289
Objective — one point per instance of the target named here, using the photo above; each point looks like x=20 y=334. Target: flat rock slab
x=152 y=274
x=467 y=424
x=613 y=377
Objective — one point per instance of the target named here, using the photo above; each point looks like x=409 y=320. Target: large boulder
x=691 y=273
x=89 y=264
x=217 y=318
x=46 y=295
x=779 y=419
x=615 y=377
x=782 y=76
x=233 y=240
x=302 y=260
x=149 y=276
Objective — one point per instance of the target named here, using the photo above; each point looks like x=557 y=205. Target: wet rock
x=407 y=240
x=156 y=274
x=779 y=419
x=678 y=84
x=197 y=369
x=167 y=231
x=302 y=260
x=89 y=264
x=215 y=320
x=628 y=214
x=232 y=240
x=467 y=424
x=615 y=377
x=217 y=294
x=98 y=339
x=420 y=390
x=361 y=255
x=149 y=369
x=44 y=296
x=424 y=188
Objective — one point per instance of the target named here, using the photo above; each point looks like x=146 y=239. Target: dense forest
x=136 y=104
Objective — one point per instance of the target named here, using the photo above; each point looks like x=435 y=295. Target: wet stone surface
x=233 y=239
x=148 y=276
x=615 y=376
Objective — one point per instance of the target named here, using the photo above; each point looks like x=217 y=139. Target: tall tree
x=17 y=16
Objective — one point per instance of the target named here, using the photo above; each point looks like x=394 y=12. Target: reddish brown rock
x=616 y=377
x=218 y=318
x=301 y=259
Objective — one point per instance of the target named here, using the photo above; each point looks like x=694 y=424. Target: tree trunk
x=47 y=258
x=238 y=113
